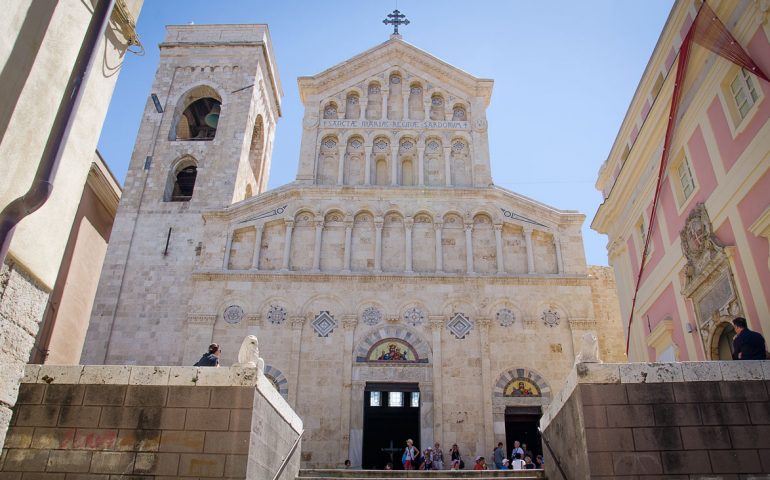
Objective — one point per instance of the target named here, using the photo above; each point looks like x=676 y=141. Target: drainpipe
x=42 y=185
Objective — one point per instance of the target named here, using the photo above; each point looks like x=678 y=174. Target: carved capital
x=392 y=319
x=349 y=322
x=254 y=319
x=468 y=227
x=438 y=225
x=484 y=322
x=436 y=322
x=498 y=227
x=408 y=223
x=289 y=223
x=201 y=319
x=297 y=322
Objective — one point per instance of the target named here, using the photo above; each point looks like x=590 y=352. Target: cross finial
x=396 y=18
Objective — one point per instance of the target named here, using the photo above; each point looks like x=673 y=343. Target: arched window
x=437 y=107
x=184 y=184
x=197 y=115
x=352 y=106
x=330 y=111
x=458 y=113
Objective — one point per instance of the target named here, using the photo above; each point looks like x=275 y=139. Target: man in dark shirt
x=747 y=345
x=210 y=359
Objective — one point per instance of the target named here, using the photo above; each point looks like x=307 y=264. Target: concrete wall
x=167 y=422
x=666 y=420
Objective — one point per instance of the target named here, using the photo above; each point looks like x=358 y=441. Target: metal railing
x=553 y=455
x=288 y=456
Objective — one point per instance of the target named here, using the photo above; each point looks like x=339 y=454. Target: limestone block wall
x=673 y=420
x=151 y=422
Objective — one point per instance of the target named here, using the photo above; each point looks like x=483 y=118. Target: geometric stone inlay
x=324 y=324
x=550 y=318
x=506 y=317
x=233 y=314
x=276 y=314
x=371 y=316
x=459 y=325
x=414 y=316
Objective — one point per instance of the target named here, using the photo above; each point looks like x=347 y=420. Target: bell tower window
x=199 y=120
x=184 y=184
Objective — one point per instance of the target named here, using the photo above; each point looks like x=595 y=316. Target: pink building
x=708 y=257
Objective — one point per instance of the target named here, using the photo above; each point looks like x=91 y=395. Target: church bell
x=212 y=118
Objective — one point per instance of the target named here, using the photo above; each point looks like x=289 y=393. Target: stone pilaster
x=296 y=323
x=469 y=247
x=499 y=246
x=487 y=434
x=438 y=226
x=349 y=323
x=257 y=247
x=530 y=252
x=436 y=325
x=287 y=245
x=408 y=223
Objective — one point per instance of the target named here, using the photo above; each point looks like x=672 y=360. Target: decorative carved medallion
x=356 y=143
x=458 y=146
x=699 y=244
x=374 y=89
x=329 y=143
x=506 y=317
x=380 y=144
x=233 y=314
x=324 y=324
x=371 y=316
x=459 y=325
x=550 y=318
x=458 y=114
x=414 y=316
x=276 y=314
x=432 y=146
x=407 y=145
x=437 y=101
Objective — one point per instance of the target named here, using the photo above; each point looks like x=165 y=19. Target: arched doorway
x=722 y=342
x=392 y=397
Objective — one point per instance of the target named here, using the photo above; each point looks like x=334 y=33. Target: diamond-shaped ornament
x=324 y=324
x=459 y=325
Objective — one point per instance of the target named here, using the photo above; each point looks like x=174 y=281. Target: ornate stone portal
x=708 y=280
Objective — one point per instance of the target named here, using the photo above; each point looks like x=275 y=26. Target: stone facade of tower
x=392 y=258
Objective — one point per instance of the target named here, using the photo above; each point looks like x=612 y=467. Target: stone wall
x=167 y=422
x=668 y=420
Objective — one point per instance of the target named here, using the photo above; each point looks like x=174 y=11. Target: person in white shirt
x=518 y=463
x=517 y=449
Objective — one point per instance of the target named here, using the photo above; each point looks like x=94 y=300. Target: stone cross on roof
x=396 y=18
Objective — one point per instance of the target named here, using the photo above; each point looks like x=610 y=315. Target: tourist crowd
x=432 y=458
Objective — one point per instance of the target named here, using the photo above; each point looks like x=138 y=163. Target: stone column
x=378 y=245
x=408 y=223
x=257 y=247
x=348 y=245
x=296 y=323
x=427 y=414
x=287 y=245
x=436 y=324
x=499 y=244
x=349 y=325
x=421 y=165
x=341 y=164
x=559 y=260
x=405 y=98
x=469 y=248
x=426 y=105
x=362 y=103
x=368 y=165
x=439 y=247
x=356 y=442
x=384 y=92
x=486 y=435
x=394 y=164
x=319 y=229
x=228 y=247
x=530 y=253
x=447 y=165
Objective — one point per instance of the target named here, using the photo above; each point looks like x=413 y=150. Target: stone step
x=339 y=474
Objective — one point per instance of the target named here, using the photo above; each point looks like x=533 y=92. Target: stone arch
x=393 y=242
x=192 y=108
x=407 y=152
x=374 y=100
x=333 y=241
x=181 y=180
x=278 y=380
x=460 y=160
x=328 y=158
x=437 y=106
x=329 y=110
x=415 y=102
x=484 y=244
x=395 y=96
x=400 y=332
x=322 y=301
x=302 y=237
x=460 y=305
x=459 y=112
x=433 y=163
x=505 y=379
x=720 y=329
x=381 y=158
x=353 y=105
x=362 y=242
x=355 y=160
x=453 y=243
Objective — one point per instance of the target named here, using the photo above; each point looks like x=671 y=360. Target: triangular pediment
x=394 y=52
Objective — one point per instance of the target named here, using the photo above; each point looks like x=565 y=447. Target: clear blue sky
x=564 y=71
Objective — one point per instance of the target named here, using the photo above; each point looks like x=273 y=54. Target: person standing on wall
x=211 y=358
x=747 y=344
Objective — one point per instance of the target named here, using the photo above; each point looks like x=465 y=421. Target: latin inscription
x=396 y=124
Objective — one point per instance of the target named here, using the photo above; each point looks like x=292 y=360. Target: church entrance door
x=391 y=416
x=521 y=424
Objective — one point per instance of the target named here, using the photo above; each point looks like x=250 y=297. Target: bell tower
x=204 y=143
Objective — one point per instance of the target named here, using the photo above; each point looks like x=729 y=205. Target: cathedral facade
x=396 y=292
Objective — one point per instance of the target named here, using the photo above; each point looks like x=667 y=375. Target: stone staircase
x=429 y=475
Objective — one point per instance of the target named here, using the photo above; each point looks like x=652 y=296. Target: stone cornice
x=371 y=277
x=398 y=51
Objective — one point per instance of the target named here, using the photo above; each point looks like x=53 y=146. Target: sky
x=565 y=73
